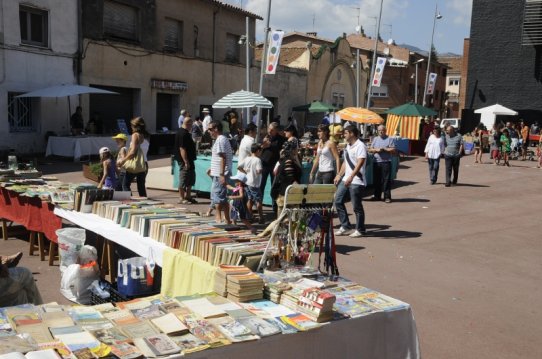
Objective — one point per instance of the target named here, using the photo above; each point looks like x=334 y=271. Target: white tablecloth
x=143 y=246
x=78 y=147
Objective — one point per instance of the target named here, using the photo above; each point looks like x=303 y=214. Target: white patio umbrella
x=243 y=99
x=66 y=90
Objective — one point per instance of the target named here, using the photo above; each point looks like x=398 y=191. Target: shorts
x=187 y=177
x=219 y=192
x=254 y=194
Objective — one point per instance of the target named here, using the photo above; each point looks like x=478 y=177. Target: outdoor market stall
x=203 y=181
x=78 y=147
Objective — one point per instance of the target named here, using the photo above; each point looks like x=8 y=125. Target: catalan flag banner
x=405 y=126
x=379 y=71
x=431 y=83
x=273 y=52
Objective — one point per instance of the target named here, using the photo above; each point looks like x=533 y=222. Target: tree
x=434 y=55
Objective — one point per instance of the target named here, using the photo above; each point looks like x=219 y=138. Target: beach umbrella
x=360 y=115
x=66 y=90
x=243 y=99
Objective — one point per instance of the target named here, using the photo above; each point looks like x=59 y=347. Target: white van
x=455 y=122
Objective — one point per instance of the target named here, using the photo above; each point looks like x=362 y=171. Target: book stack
x=316 y=304
x=245 y=287
x=273 y=291
x=221 y=277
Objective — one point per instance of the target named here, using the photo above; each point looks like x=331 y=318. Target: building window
x=20 y=113
x=532 y=23
x=173 y=35
x=453 y=82
x=34 y=26
x=232 y=48
x=120 y=21
x=381 y=91
x=338 y=100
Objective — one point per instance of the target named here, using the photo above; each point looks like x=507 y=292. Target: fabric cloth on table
x=185 y=274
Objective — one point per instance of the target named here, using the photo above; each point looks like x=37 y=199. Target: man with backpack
x=351 y=180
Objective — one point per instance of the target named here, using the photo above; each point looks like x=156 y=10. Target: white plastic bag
x=76 y=281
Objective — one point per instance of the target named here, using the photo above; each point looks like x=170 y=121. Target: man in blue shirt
x=383 y=148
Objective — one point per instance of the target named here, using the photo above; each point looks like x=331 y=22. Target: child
x=109 y=178
x=239 y=199
x=252 y=167
x=505 y=146
x=121 y=140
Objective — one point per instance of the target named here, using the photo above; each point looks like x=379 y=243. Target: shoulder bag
x=136 y=164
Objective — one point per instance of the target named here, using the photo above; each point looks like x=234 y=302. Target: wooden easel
x=313 y=197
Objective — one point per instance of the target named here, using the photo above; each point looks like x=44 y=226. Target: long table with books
x=363 y=324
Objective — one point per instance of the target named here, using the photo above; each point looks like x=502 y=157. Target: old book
x=169 y=324
x=189 y=343
x=81 y=340
x=204 y=308
x=260 y=326
x=126 y=351
x=161 y=344
x=39 y=332
x=233 y=330
x=16 y=343
x=138 y=330
x=110 y=336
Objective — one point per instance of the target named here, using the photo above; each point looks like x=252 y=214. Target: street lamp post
x=416 y=81
x=263 y=65
x=244 y=40
x=358 y=28
x=437 y=16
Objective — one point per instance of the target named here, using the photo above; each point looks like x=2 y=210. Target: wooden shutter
x=172 y=35
x=532 y=23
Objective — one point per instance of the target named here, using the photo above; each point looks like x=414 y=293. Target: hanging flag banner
x=431 y=83
x=379 y=71
x=273 y=52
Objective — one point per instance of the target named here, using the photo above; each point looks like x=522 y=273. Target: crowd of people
x=277 y=158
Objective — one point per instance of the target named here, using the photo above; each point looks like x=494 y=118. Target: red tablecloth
x=30 y=212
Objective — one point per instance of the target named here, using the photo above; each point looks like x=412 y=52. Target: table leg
x=110 y=261
x=32 y=243
x=53 y=252
x=4 y=229
x=104 y=267
x=41 y=246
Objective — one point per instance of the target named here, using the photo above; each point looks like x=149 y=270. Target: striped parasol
x=360 y=115
x=243 y=99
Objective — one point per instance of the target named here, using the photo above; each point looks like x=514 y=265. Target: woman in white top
x=433 y=151
x=139 y=135
x=326 y=160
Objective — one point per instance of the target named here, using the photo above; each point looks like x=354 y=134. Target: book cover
x=110 y=336
x=189 y=343
x=170 y=324
x=126 y=351
x=138 y=330
x=259 y=326
x=161 y=344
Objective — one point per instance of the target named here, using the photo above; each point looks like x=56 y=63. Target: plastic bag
x=76 y=281
x=70 y=242
x=135 y=276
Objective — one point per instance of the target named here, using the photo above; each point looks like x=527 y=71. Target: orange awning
x=407 y=126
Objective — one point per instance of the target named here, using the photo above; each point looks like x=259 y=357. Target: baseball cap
x=104 y=150
x=120 y=136
x=240 y=176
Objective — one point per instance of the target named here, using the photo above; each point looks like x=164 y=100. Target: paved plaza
x=468 y=258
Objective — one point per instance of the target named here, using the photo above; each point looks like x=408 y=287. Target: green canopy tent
x=314 y=107
x=405 y=120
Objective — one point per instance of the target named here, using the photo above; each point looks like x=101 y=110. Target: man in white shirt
x=181 y=118
x=248 y=139
x=351 y=179
x=207 y=119
x=221 y=170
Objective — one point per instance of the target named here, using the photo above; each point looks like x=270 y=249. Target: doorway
x=164 y=111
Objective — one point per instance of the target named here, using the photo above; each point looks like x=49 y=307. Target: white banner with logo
x=431 y=83
x=379 y=71
x=273 y=51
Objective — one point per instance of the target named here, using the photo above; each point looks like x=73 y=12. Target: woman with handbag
x=135 y=163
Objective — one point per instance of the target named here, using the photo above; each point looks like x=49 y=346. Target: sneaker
x=356 y=234
x=341 y=231
x=387 y=200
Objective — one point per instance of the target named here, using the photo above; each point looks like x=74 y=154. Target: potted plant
x=93 y=171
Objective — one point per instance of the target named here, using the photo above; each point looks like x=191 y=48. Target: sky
x=405 y=21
